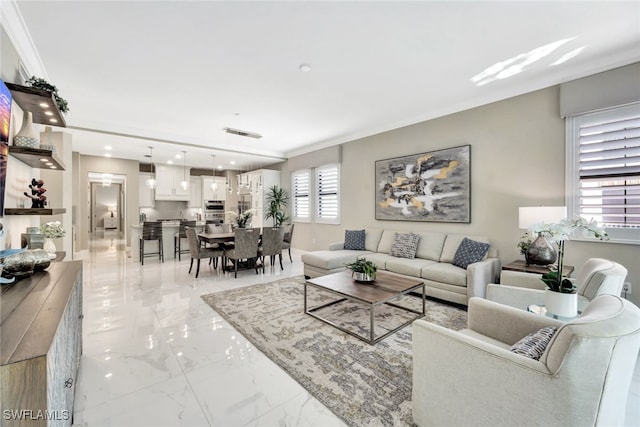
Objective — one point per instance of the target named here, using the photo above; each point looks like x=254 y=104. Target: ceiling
x=174 y=74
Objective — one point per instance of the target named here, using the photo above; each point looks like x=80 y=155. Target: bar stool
x=177 y=238
x=151 y=230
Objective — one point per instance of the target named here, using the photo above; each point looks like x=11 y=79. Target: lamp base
x=541 y=252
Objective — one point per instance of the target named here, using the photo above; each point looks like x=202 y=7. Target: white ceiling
x=177 y=72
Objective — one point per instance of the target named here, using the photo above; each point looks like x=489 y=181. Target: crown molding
x=15 y=27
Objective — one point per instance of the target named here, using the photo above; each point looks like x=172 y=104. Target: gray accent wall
x=517 y=159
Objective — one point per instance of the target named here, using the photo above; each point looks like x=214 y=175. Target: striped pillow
x=405 y=245
x=534 y=344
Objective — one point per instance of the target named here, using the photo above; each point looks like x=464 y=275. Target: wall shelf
x=33 y=157
x=29 y=99
x=34 y=211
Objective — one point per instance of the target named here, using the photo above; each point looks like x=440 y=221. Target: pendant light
x=214 y=184
x=151 y=182
x=184 y=184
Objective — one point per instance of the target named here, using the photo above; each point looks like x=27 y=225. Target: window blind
x=609 y=171
x=327 y=194
x=301 y=185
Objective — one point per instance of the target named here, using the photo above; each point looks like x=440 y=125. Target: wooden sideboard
x=41 y=336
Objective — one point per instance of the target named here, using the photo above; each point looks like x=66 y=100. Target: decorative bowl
x=362 y=277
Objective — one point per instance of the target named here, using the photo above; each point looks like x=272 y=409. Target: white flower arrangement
x=52 y=229
x=240 y=219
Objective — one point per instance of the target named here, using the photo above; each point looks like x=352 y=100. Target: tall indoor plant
x=278 y=199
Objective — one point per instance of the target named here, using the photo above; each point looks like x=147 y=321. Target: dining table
x=211 y=238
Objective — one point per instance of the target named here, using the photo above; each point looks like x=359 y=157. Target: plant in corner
x=38 y=83
x=278 y=199
x=366 y=269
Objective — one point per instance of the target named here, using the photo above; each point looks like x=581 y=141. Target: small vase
x=541 y=252
x=50 y=247
x=363 y=277
x=561 y=304
x=27 y=136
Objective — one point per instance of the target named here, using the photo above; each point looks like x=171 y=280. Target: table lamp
x=112 y=209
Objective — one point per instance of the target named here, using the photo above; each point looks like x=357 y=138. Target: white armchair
x=596 y=277
x=470 y=377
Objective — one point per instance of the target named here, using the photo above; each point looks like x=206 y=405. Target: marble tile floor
x=156 y=355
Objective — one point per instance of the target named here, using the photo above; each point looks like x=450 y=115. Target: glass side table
x=541 y=310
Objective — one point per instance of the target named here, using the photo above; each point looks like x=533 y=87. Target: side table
x=520 y=265
x=541 y=310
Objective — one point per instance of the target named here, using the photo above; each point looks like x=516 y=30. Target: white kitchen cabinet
x=146 y=196
x=195 y=192
x=168 y=183
x=220 y=191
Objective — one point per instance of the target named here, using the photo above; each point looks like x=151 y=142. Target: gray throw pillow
x=405 y=245
x=534 y=344
x=354 y=240
x=469 y=252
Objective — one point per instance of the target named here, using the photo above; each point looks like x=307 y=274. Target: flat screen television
x=5 y=121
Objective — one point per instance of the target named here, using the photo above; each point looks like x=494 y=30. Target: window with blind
x=604 y=170
x=327 y=194
x=301 y=185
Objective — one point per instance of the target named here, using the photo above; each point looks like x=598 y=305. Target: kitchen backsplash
x=171 y=210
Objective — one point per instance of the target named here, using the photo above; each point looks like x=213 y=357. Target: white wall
x=517 y=159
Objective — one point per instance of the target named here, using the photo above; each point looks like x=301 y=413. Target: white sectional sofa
x=433 y=263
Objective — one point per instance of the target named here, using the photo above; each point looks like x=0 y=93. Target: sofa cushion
x=445 y=273
x=410 y=267
x=534 y=344
x=372 y=239
x=380 y=260
x=386 y=241
x=405 y=245
x=452 y=242
x=430 y=245
x=329 y=260
x=354 y=240
x=469 y=252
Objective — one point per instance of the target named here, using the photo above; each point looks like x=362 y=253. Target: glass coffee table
x=386 y=288
x=542 y=311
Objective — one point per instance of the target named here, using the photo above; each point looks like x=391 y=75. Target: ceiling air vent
x=242 y=133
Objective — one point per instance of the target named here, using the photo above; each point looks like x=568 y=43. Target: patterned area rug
x=364 y=385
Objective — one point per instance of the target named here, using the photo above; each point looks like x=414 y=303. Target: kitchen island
x=169 y=230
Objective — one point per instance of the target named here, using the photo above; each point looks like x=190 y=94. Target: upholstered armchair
x=198 y=252
x=597 y=276
x=271 y=245
x=245 y=247
x=471 y=377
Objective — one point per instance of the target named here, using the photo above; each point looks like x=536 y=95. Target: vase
x=561 y=304
x=27 y=136
x=50 y=247
x=363 y=277
x=541 y=252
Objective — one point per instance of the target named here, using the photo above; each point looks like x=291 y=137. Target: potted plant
x=278 y=199
x=240 y=219
x=560 y=296
x=363 y=270
x=38 y=83
x=51 y=230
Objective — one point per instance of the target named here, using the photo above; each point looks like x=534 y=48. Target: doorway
x=107 y=204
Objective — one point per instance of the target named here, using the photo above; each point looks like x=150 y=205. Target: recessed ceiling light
x=44 y=160
x=169 y=162
x=49 y=164
x=107 y=154
x=52 y=167
x=53 y=120
x=44 y=105
x=178 y=156
x=305 y=68
x=48 y=113
x=107 y=147
x=219 y=166
x=233 y=162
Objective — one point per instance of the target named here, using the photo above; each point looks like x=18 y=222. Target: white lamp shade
x=530 y=215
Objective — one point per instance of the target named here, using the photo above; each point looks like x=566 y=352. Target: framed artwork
x=432 y=186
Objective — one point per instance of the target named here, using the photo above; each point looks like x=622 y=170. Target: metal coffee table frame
x=372 y=305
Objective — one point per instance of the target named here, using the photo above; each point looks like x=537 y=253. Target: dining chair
x=214 y=228
x=151 y=230
x=198 y=252
x=287 y=238
x=177 y=238
x=245 y=247
x=272 y=242
x=226 y=228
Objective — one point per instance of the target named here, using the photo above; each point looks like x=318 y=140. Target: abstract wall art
x=432 y=186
